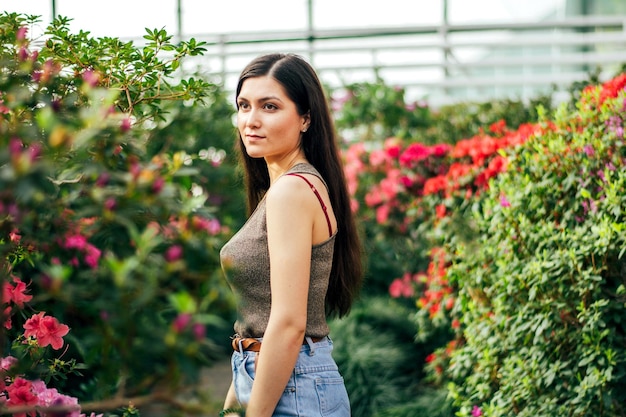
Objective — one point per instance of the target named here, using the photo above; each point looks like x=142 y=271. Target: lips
x=254 y=137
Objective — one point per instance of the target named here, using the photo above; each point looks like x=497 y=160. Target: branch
x=114 y=403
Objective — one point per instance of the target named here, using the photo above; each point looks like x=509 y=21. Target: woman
x=297 y=260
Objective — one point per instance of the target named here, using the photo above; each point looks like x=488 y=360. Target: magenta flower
x=173 y=253
x=110 y=204
x=504 y=202
x=414 y=153
x=103 y=179
x=199 y=331
x=78 y=242
x=91 y=78
x=21 y=33
x=181 y=322
x=157 y=185
x=476 y=411
x=126 y=124
x=92 y=256
x=15 y=147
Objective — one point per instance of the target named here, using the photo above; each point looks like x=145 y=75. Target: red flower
x=6 y=317
x=498 y=128
x=15 y=293
x=46 y=329
x=435 y=184
x=440 y=211
x=414 y=153
x=20 y=393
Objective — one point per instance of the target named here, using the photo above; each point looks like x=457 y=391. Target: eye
x=270 y=106
x=242 y=105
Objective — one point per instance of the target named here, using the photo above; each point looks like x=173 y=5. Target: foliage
x=100 y=218
x=372 y=112
x=542 y=290
x=378 y=357
x=415 y=197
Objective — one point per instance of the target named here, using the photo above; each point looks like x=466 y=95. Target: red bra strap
x=319 y=197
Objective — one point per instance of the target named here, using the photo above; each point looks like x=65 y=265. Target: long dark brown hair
x=319 y=143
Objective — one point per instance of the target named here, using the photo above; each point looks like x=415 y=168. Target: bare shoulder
x=291 y=190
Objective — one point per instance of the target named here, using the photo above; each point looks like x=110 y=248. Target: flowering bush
x=393 y=150
x=425 y=204
x=542 y=290
x=421 y=192
x=108 y=248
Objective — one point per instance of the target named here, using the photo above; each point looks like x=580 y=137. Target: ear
x=306 y=122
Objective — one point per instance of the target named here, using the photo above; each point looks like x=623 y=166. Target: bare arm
x=289 y=229
x=231 y=398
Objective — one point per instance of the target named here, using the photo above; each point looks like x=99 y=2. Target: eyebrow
x=262 y=99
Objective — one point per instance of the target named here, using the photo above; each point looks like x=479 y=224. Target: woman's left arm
x=289 y=211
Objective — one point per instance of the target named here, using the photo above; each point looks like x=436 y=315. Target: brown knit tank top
x=246 y=263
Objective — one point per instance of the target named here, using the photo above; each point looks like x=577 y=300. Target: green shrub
x=379 y=359
x=100 y=218
x=543 y=287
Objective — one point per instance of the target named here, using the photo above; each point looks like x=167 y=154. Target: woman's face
x=268 y=120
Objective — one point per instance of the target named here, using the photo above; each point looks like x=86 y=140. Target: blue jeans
x=315 y=387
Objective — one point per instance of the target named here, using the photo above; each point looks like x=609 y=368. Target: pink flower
x=504 y=202
x=21 y=33
x=75 y=242
x=374 y=197
x=211 y=226
x=402 y=287
x=126 y=124
x=199 y=331
x=378 y=157
x=103 y=179
x=382 y=214
x=46 y=329
x=440 y=149
x=15 y=147
x=476 y=411
x=181 y=322
x=7 y=362
x=110 y=204
x=173 y=253
x=157 y=185
x=91 y=78
x=6 y=316
x=92 y=256
x=23 y=54
x=16 y=293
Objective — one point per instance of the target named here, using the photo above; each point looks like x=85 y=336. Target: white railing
x=444 y=63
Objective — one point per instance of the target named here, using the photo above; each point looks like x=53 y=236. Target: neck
x=277 y=169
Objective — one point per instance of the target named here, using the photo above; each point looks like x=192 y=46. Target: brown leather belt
x=250 y=344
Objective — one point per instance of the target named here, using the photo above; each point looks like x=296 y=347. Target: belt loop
x=240 y=343
x=311 y=345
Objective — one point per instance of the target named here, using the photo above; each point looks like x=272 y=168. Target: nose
x=252 y=118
